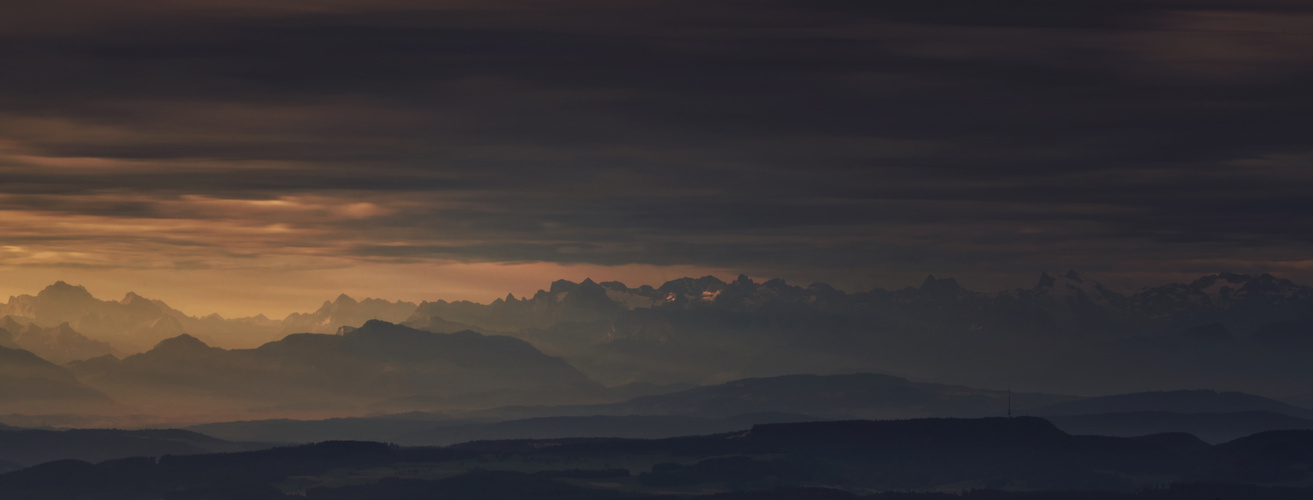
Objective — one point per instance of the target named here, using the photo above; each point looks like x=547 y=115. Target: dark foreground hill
x=1193 y=401
x=25 y=447
x=1212 y=416
x=417 y=429
x=805 y=460
x=847 y=396
x=1210 y=427
x=702 y=410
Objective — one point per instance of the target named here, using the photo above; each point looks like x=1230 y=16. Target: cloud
x=829 y=139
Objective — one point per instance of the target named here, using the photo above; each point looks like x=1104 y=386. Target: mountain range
x=591 y=343
x=1227 y=331
x=135 y=324
x=29 y=384
x=377 y=364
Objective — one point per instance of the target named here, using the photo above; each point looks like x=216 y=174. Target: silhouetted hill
x=384 y=428
x=843 y=459
x=29 y=384
x=378 y=361
x=31 y=447
x=1274 y=457
x=423 y=429
x=1017 y=453
x=1193 y=401
x=862 y=395
x=1211 y=427
x=628 y=426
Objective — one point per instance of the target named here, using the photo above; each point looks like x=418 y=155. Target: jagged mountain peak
x=9 y=323
x=692 y=286
x=940 y=285
x=63 y=290
x=1225 y=290
x=1232 y=280
x=1045 y=281
x=344 y=299
x=614 y=285
x=1071 y=279
x=562 y=286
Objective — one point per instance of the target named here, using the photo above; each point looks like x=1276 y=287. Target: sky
x=242 y=157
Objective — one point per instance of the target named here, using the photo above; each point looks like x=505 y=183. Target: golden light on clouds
x=279 y=285
x=256 y=156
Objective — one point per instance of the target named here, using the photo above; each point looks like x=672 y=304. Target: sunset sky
x=242 y=157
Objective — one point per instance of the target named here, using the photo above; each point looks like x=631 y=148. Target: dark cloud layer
x=836 y=138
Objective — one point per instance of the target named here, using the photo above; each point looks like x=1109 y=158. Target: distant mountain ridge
x=29 y=384
x=135 y=323
x=58 y=344
x=706 y=330
x=1066 y=328
x=374 y=363
x=826 y=397
x=346 y=311
x=1069 y=293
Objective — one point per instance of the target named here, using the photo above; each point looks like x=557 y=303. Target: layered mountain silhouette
x=705 y=330
x=362 y=366
x=1216 y=427
x=346 y=311
x=135 y=324
x=130 y=323
x=29 y=384
x=425 y=429
x=27 y=447
x=1065 y=335
x=1196 y=401
x=831 y=460
x=824 y=397
x=59 y=344
x=1212 y=416
x=700 y=410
